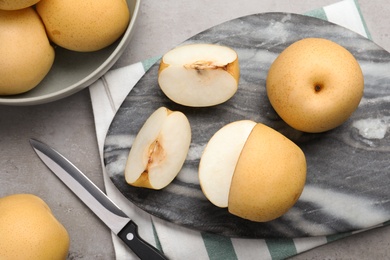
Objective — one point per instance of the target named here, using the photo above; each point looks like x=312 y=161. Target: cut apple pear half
x=159 y=150
x=253 y=170
x=199 y=75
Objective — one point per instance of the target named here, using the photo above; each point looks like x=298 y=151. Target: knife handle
x=129 y=235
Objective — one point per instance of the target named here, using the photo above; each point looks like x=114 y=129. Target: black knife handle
x=145 y=251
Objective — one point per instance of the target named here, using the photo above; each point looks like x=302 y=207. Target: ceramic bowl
x=73 y=71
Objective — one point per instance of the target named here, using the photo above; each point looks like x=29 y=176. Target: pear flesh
x=199 y=75
x=159 y=150
x=219 y=160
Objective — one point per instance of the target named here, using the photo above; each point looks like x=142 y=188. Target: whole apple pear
x=315 y=85
x=84 y=25
x=29 y=230
x=25 y=51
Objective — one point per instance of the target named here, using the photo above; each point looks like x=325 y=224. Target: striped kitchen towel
x=108 y=93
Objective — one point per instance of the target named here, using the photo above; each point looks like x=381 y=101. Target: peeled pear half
x=253 y=170
x=159 y=150
x=199 y=75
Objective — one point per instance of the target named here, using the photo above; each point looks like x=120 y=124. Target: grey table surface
x=68 y=124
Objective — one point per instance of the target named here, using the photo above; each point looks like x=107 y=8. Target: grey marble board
x=348 y=174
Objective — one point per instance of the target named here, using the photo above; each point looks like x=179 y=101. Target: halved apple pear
x=199 y=75
x=159 y=150
x=253 y=170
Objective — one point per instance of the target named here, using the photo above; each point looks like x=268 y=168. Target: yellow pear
x=269 y=176
x=253 y=170
x=315 y=85
x=16 y=4
x=25 y=51
x=29 y=230
x=84 y=25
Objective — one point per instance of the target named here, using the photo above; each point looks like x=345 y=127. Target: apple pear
x=199 y=75
x=253 y=170
x=86 y=25
x=29 y=230
x=16 y=4
x=159 y=150
x=315 y=85
x=25 y=51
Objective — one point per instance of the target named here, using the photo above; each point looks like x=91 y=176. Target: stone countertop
x=68 y=124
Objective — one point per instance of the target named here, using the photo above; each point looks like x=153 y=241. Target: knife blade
x=119 y=223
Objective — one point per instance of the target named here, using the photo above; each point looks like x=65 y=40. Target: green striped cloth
x=177 y=242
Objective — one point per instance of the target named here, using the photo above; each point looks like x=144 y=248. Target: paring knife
x=96 y=200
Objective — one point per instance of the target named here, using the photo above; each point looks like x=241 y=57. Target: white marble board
x=348 y=167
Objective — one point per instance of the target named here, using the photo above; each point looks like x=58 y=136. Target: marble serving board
x=348 y=172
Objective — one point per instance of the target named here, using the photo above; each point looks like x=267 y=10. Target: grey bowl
x=74 y=71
